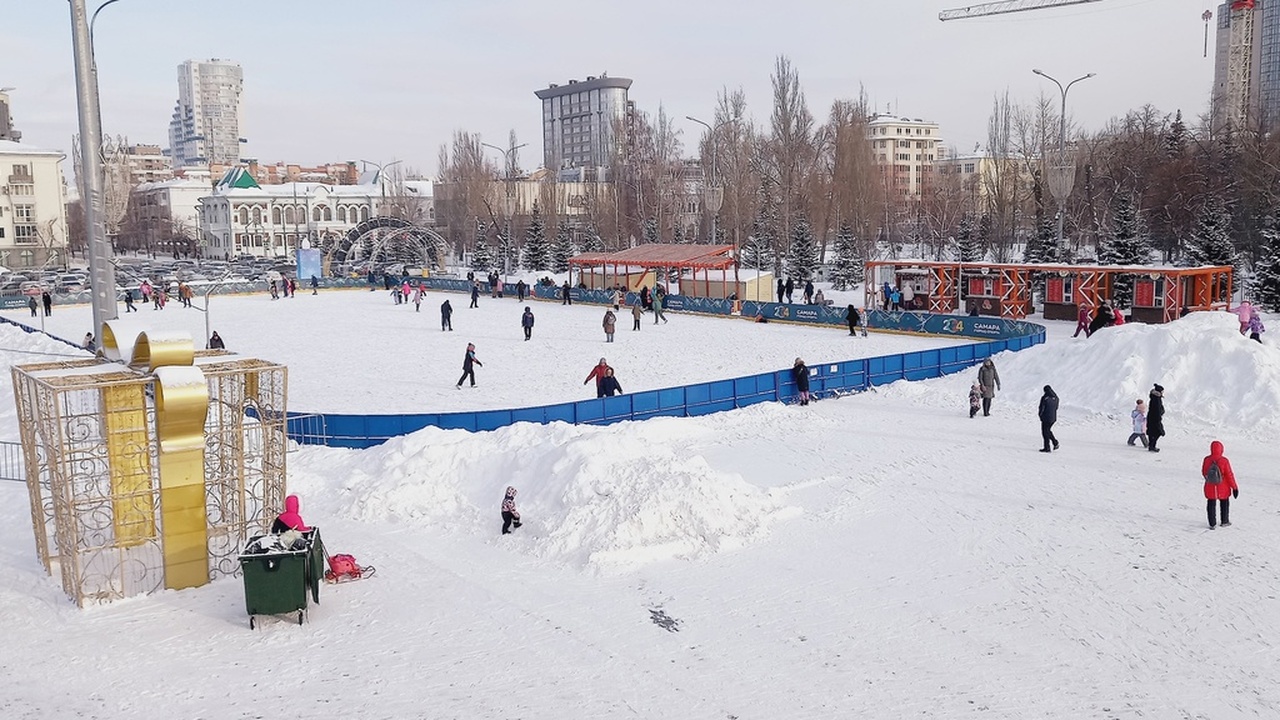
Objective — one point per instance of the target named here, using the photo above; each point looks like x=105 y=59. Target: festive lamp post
x=1061 y=177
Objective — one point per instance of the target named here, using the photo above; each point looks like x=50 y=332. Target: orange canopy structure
x=694 y=258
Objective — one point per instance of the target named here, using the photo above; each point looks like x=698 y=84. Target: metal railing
x=12 y=464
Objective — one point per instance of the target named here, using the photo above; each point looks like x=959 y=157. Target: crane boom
x=1007 y=6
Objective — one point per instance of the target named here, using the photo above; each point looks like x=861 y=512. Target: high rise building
x=205 y=128
x=906 y=149
x=581 y=125
x=6 y=120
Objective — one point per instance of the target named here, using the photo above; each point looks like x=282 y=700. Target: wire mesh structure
x=93 y=456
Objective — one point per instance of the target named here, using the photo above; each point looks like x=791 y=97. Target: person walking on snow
x=521 y=288
x=417 y=298
x=1155 y=417
x=47 y=300
x=1082 y=321
x=597 y=373
x=618 y=298
x=469 y=361
x=565 y=297
x=475 y=295
x=1139 y=417
x=854 y=320
x=1048 y=416
x=1219 y=484
x=975 y=399
x=800 y=373
x=510 y=515
x=659 y=298
x=526 y=322
x=1256 y=328
x=808 y=292
x=782 y=290
x=610 y=322
x=790 y=287
x=636 y=312
x=315 y=284
x=446 y=316
x=989 y=379
x=35 y=306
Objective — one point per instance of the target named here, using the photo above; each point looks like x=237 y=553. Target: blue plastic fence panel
x=671 y=398
x=590 y=411
x=644 y=402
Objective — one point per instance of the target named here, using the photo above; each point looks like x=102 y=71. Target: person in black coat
x=526 y=322
x=790 y=288
x=47 y=299
x=1104 y=317
x=446 y=316
x=854 y=319
x=469 y=361
x=475 y=295
x=782 y=290
x=1048 y=416
x=609 y=385
x=215 y=342
x=1155 y=417
x=800 y=372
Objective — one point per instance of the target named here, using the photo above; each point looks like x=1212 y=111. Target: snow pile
x=18 y=347
x=1210 y=372
x=609 y=498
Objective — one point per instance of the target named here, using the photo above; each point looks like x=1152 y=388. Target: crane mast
x=1007 y=6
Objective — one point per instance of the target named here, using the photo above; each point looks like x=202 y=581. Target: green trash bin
x=276 y=582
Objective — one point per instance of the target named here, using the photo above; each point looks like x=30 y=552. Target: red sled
x=344 y=568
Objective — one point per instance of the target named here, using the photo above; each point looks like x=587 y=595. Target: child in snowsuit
x=1139 y=416
x=510 y=516
x=1219 y=483
x=975 y=399
x=290 y=519
x=468 y=362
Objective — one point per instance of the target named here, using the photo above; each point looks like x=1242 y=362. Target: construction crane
x=1008 y=6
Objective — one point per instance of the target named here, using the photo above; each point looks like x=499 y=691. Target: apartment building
x=906 y=150
x=33 y=201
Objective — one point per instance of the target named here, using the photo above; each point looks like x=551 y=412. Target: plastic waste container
x=278 y=575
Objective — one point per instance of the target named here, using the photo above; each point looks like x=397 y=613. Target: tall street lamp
x=101 y=272
x=509 y=204
x=713 y=196
x=1063 y=176
x=382 y=183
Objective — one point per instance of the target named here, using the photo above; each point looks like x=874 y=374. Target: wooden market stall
x=646 y=265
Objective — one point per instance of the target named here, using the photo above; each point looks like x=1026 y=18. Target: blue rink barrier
x=826 y=379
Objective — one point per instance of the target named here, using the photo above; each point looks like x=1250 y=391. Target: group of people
x=894 y=298
x=46 y=300
x=787 y=288
x=1105 y=316
x=1250 y=320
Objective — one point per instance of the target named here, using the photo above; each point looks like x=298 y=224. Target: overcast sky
x=330 y=80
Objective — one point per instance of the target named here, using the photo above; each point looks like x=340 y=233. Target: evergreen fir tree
x=1128 y=245
x=537 y=251
x=1175 y=141
x=1265 y=286
x=965 y=239
x=1210 y=240
x=649 y=231
x=804 y=252
x=984 y=237
x=482 y=254
x=562 y=248
x=592 y=242
x=848 y=269
x=677 y=234
x=757 y=252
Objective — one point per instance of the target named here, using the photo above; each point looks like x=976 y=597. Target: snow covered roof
x=9 y=147
x=662 y=255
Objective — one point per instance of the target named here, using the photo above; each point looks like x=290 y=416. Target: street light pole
x=101 y=272
x=510 y=203
x=1064 y=183
x=715 y=196
x=382 y=181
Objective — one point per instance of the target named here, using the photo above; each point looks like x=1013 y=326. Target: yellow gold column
x=182 y=402
x=124 y=409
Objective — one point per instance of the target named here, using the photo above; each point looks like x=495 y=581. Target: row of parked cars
x=131 y=271
x=34 y=281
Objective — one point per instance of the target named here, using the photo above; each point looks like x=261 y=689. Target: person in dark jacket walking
x=1219 y=483
x=598 y=374
x=215 y=342
x=468 y=362
x=35 y=306
x=446 y=316
x=521 y=289
x=636 y=312
x=128 y=303
x=475 y=295
x=854 y=320
x=782 y=290
x=1103 y=318
x=1155 y=417
x=610 y=323
x=989 y=379
x=609 y=385
x=808 y=292
x=790 y=288
x=510 y=515
x=526 y=322
x=47 y=299
x=1048 y=416
x=800 y=372
x=565 y=297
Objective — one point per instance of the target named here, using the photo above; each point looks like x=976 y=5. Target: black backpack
x=1214 y=474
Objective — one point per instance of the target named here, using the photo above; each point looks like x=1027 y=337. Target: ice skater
x=610 y=322
x=469 y=361
x=446 y=316
x=636 y=312
x=526 y=322
x=1048 y=416
x=1219 y=484
x=510 y=515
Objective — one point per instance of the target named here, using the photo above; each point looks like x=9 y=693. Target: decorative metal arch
x=388 y=239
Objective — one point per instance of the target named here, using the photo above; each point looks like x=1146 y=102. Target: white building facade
x=906 y=149
x=168 y=212
x=33 y=207
x=241 y=217
x=206 y=124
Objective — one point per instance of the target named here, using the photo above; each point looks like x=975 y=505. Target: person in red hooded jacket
x=289 y=519
x=1219 y=483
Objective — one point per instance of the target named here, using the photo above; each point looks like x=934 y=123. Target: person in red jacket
x=598 y=373
x=1219 y=483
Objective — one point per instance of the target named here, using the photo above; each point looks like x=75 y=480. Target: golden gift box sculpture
x=151 y=472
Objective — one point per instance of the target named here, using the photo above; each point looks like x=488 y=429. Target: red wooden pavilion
x=616 y=268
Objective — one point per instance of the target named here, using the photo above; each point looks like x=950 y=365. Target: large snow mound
x=603 y=498
x=1210 y=372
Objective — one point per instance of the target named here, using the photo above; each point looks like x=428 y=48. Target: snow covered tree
x=504 y=253
x=985 y=230
x=537 y=251
x=592 y=242
x=649 y=231
x=1210 y=240
x=562 y=248
x=677 y=234
x=848 y=266
x=967 y=248
x=1129 y=244
x=482 y=254
x=757 y=251
x=803 y=257
x=1265 y=286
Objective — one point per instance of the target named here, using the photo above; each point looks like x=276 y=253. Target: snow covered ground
x=881 y=555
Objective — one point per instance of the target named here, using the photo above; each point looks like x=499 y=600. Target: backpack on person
x=1214 y=475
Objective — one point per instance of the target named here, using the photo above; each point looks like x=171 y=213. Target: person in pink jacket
x=1219 y=483
x=290 y=519
x=1244 y=313
x=1119 y=316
